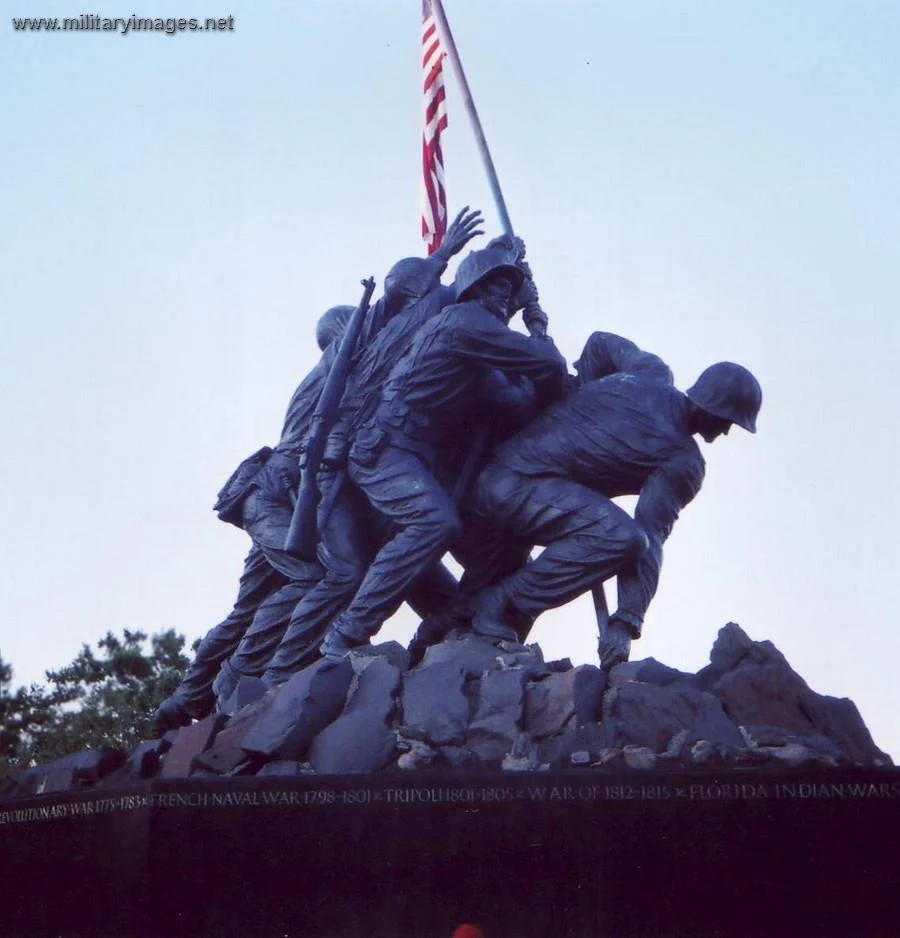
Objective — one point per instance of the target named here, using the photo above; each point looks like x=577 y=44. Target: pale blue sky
x=716 y=180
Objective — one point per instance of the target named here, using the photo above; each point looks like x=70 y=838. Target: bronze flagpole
x=453 y=54
x=598 y=592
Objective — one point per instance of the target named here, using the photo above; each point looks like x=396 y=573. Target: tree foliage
x=102 y=698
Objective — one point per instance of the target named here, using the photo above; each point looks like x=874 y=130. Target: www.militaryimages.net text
x=123 y=26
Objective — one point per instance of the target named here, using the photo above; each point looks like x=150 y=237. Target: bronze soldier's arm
x=496 y=346
x=606 y=353
x=662 y=497
x=513 y=400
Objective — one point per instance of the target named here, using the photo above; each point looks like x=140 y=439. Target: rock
x=733 y=649
x=360 y=740
x=92 y=765
x=558 y=750
x=531 y=663
x=54 y=777
x=226 y=756
x=248 y=691
x=435 y=706
x=752 y=758
x=775 y=736
x=474 y=703
x=523 y=757
x=392 y=652
x=301 y=709
x=76 y=771
x=767 y=695
x=14 y=785
x=774 y=695
x=289 y=769
x=608 y=757
x=796 y=755
x=590 y=686
x=513 y=763
x=649 y=671
x=676 y=745
x=472 y=654
x=575 y=695
x=456 y=757
x=498 y=720
x=189 y=742
x=639 y=757
x=839 y=720
x=145 y=759
x=648 y=715
x=703 y=752
x=521 y=659
x=419 y=756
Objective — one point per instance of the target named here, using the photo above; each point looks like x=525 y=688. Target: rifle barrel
x=303 y=533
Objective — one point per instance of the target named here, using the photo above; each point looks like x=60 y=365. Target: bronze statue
x=258 y=498
x=348 y=538
x=437 y=384
x=553 y=484
x=448 y=438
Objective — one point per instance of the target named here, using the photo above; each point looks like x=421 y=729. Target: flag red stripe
x=434 y=201
x=433 y=107
x=430 y=50
x=436 y=74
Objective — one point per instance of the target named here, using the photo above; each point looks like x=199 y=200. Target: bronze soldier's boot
x=341 y=637
x=169 y=715
x=490 y=615
x=336 y=645
x=435 y=627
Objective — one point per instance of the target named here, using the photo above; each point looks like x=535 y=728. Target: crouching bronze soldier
x=553 y=483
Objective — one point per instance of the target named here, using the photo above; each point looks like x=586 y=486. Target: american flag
x=434 y=201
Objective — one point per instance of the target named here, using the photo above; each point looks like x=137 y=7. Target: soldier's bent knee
x=637 y=543
x=440 y=527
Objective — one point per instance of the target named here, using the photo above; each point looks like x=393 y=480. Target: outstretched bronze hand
x=461 y=231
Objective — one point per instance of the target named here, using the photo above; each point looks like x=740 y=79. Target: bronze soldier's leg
x=586 y=537
x=487 y=552
x=261 y=640
x=345 y=551
x=434 y=596
x=487 y=555
x=402 y=490
x=194 y=697
x=267 y=516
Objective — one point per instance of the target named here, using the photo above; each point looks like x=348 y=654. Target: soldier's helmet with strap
x=479 y=265
x=332 y=324
x=728 y=391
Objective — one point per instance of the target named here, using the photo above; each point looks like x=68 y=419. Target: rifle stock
x=303 y=534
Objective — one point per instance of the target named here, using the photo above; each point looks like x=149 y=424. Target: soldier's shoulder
x=443 y=294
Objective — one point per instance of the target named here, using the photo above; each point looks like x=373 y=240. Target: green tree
x=102 y=698
x=15 y=715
